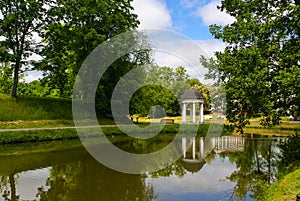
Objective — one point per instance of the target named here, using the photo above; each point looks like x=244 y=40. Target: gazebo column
x=194 y=147
x=201 y=113
x=194 y=112
x=183 y=118
x=191 y=113
x=183 y=143
x=201 y=146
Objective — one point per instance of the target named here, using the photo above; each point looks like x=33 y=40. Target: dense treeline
x=161 y=85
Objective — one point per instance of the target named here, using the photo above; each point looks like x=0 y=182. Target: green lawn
x=32 y=108
x=286 y=188
x=33 y=112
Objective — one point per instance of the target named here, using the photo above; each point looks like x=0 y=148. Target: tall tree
x=19 y=19
x=260 y=64
x=74 y=29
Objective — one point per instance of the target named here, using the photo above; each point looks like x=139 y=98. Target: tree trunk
x=269 y=161
x=12 y=183
x=16 y=80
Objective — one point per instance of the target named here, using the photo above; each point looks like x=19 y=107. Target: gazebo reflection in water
x=196 y=151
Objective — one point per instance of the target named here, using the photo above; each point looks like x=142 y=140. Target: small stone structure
x=190 y=98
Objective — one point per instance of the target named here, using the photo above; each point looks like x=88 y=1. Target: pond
x=223 y=168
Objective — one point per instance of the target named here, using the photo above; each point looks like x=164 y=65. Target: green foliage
x=260 y=64
x=174 y=79
x=70 y=30
x=196 y=84
x=162 y=86
x=5 y=78
x=271 y=120
x=38 y=88
x=73 y=31
x=148 y=97
x=120 y=68
x=18 y=21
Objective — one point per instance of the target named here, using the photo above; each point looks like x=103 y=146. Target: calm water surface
x=227 y=168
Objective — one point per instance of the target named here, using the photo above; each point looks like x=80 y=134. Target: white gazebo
x=189 y=99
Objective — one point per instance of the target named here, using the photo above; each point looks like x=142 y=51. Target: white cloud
x=193 y=3
x=207 y=180
x=30 y=181
x=211 y=46
x=211 y=15
x=180 y=52
x=186 y=53
x=188 y=3
x=152 y=14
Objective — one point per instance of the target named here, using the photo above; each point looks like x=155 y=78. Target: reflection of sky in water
x=208 y=184
x=30 y=181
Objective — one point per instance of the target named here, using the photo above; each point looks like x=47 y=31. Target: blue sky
x=188 y=17
x=186 y=21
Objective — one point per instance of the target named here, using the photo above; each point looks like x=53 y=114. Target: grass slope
x=286 y=188
x=32 y=108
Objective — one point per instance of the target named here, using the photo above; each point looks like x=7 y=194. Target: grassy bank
x=271 y=131
x=32 y=108
x=35 y=112
x=285 y=128
x=36 y=124
x=9 y=137
x=287 y=188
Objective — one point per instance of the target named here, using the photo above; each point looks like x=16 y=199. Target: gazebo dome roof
x=192 y=94
x=192 y=165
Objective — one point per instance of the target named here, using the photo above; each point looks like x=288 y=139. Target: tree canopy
x=19 y=20
x=73 y=30
x=69 y=30
x=260 y=65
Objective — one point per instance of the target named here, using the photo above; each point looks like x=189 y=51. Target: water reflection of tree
x=290 y=158
x=173 y=169
x=256 y=166
x=88 y=180
x=8 y=187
